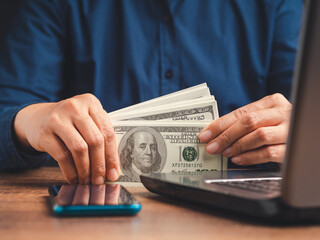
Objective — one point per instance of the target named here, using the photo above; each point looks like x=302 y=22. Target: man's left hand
x=253 y=134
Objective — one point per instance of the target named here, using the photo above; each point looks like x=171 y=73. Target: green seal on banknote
x=189 y=154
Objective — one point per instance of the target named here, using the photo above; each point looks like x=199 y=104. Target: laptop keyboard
x=272 y=185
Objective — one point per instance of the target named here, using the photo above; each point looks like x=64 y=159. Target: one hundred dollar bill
x=194 y=92
x=198 y=111
x=151 y=147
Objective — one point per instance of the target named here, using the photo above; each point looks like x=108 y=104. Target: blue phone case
x=129 y=207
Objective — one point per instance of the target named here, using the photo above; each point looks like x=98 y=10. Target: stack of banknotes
x=161 y=135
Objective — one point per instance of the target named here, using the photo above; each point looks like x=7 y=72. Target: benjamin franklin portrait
x=140 y=154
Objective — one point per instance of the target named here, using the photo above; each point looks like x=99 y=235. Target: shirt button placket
x=169 y=52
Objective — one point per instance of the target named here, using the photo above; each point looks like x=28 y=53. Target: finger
x=57 y=149
x=81 y=195
x=218 y=126
x=97 y=194
x=112 y=194
x=103 y=122
x=249 y=123
x=93 y=137
x=65 y=195
x=79 y=150
x=258 y=138
x=273 y=153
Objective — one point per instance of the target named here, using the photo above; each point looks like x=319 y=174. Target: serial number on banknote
x=187 y=165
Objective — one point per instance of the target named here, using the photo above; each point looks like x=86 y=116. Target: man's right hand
x=77 y=133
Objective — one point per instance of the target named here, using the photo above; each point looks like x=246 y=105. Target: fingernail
x=227 y=152
x=205 y=136
x=213 y=147
x=236 y=160
x=113 y=174
x=99 y=180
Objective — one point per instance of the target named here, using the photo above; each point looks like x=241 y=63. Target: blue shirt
x=125 y=52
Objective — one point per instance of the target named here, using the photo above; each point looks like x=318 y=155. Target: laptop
x=289 y=195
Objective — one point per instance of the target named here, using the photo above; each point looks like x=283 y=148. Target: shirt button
x=168 y=74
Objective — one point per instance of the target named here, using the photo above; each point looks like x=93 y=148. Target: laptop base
x=192 y=188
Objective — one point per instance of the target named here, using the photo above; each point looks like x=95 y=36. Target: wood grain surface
x=25 y=214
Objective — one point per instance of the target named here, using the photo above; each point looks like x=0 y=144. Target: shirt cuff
x=11 y=156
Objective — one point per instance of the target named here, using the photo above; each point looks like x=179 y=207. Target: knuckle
x=264 y=135
x=238 y=147
x=112 y=161
x=90 y=97
x=63 y=157
x=80 y=147
x=285 y=112
x=272 y=152
x=96 y=141
x=70 y=104
x=52 y=120
x=277 y=97
x=216 y=126
x=226 y=139
x=249 y=121
x=240 y=112
x=99 y=169
x=109 y=134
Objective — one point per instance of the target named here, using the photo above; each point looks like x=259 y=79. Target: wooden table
x=25 y=214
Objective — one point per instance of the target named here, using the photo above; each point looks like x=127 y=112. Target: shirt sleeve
x=31 y=71
x=284 y=47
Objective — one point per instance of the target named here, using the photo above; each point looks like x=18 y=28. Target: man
x=124 y=52
x=140 y=155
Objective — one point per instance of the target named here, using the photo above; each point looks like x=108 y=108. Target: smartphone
x=92 y=200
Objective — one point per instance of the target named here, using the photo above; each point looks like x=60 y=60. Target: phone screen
x=107 y=199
